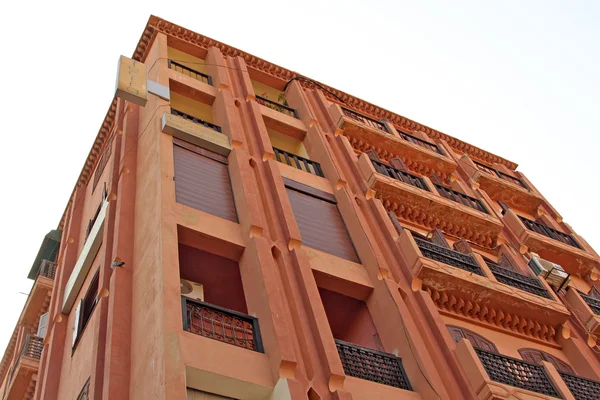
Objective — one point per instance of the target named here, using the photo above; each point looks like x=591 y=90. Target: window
x=476 y=340
x=319 y=221
x=42 y=326
x=102 y=162
x=85 y=308
x=202 y=180
x=537 y=356
x=85 y=391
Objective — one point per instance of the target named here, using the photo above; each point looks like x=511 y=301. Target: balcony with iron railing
x=192 y=73
x=550 y=244
x=273 y=105
x=24 y=369
x=581 y=388
x=364 y=133
x=221 y=324
x=39 y=295
x=298 y=162
x=517 y=280
x=372 y=365
x=195 y=120
x=417 y=201
x=462 y=285
x=500 y=186
x=585 y=308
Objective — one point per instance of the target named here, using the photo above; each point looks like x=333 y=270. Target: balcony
x=519 y=281
x=295 y=161
x=461 y=198
x=582 y=388
x=22 y=376
x=195 y=120
x=273 y=105
x=502 y=187
x=192 y=73
x=372 y=365
x=585 y=308
x=552 y=245
x=412 y=200
x=221 y=324
x=462 y=286
x=39 y=296
x=365 y=133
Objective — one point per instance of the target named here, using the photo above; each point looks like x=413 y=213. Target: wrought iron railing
x=298 y=162
x=221 y=324
x=282 y=108
x=372 y=365
x=593 y=303
x=448 y=256
x=549 y=232
x=501 y=175
x=461 y=198
x=192 y=73
x=419 y=142
x=399 y=175
x=517 y=280
x=32 y=348
x=47 y=269
x=581 y=388
x=363 y=119
x=195 y=120
x=517 y=373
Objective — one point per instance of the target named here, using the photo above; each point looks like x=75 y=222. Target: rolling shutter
x=321 y=225
x=202 y=180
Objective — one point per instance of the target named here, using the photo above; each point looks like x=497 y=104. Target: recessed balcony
x=586 y=308
x=22 y=376
x=415 y=200
x=192 y=73
x=552 y=245
x=195 y=120
x=503 y=187
x=581 y=388
x=298 y=162
x=365 y=133
x=461 y=285
x=273 y=105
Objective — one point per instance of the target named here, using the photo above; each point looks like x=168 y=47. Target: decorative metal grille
x=582 y=388
x=419 y=142
x=192 y=73
x=517 y=373
x=501 y=175
x=485 y=168
x=593 y=303
x=220 y=324
x=48 y=269
x=399 y=175
x=372 y=365
x=33 y=347
x=461 y=198
x=448 y=256
x=519 y=281
x=296 y=161
x=549 y=232
x=273 y=105
x=195 y=120
x=363 y=119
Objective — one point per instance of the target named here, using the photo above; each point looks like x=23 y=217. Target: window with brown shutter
x=202 y=180
x=320 y=222
x=536 y=356
x=476 y=340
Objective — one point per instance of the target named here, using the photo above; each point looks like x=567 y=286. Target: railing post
x=559 y=384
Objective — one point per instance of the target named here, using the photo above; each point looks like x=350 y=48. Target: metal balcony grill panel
x=519 y=281
x=517 y=373
x=273 y=105
x=448 y=256
x=48 y=269
x=485 y=168
x=33 y=347
x=372 y=365
x=582 y=388
x=195 y=120
x=593 y=303
x=363 y=119
x=549 y=232
x=298 y=162
x=512 y=179
x=419 y=142
x=192 y=73
x=460 y=198
x=399 y=175
x=220 y=324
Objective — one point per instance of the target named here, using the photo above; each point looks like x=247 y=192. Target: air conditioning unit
x=192 y=290
x=553 y=273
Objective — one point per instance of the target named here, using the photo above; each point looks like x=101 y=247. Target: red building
x=250 y=233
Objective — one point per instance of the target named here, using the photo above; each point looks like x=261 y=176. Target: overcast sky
x=518 y=78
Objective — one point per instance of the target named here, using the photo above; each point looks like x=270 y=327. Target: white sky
x=518 y=78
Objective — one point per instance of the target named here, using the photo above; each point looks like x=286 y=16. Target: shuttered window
x=320 y=223
x=202 y=180
x=476 y=340
x=537 y=356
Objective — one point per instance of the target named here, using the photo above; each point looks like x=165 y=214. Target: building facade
x=252 y=234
